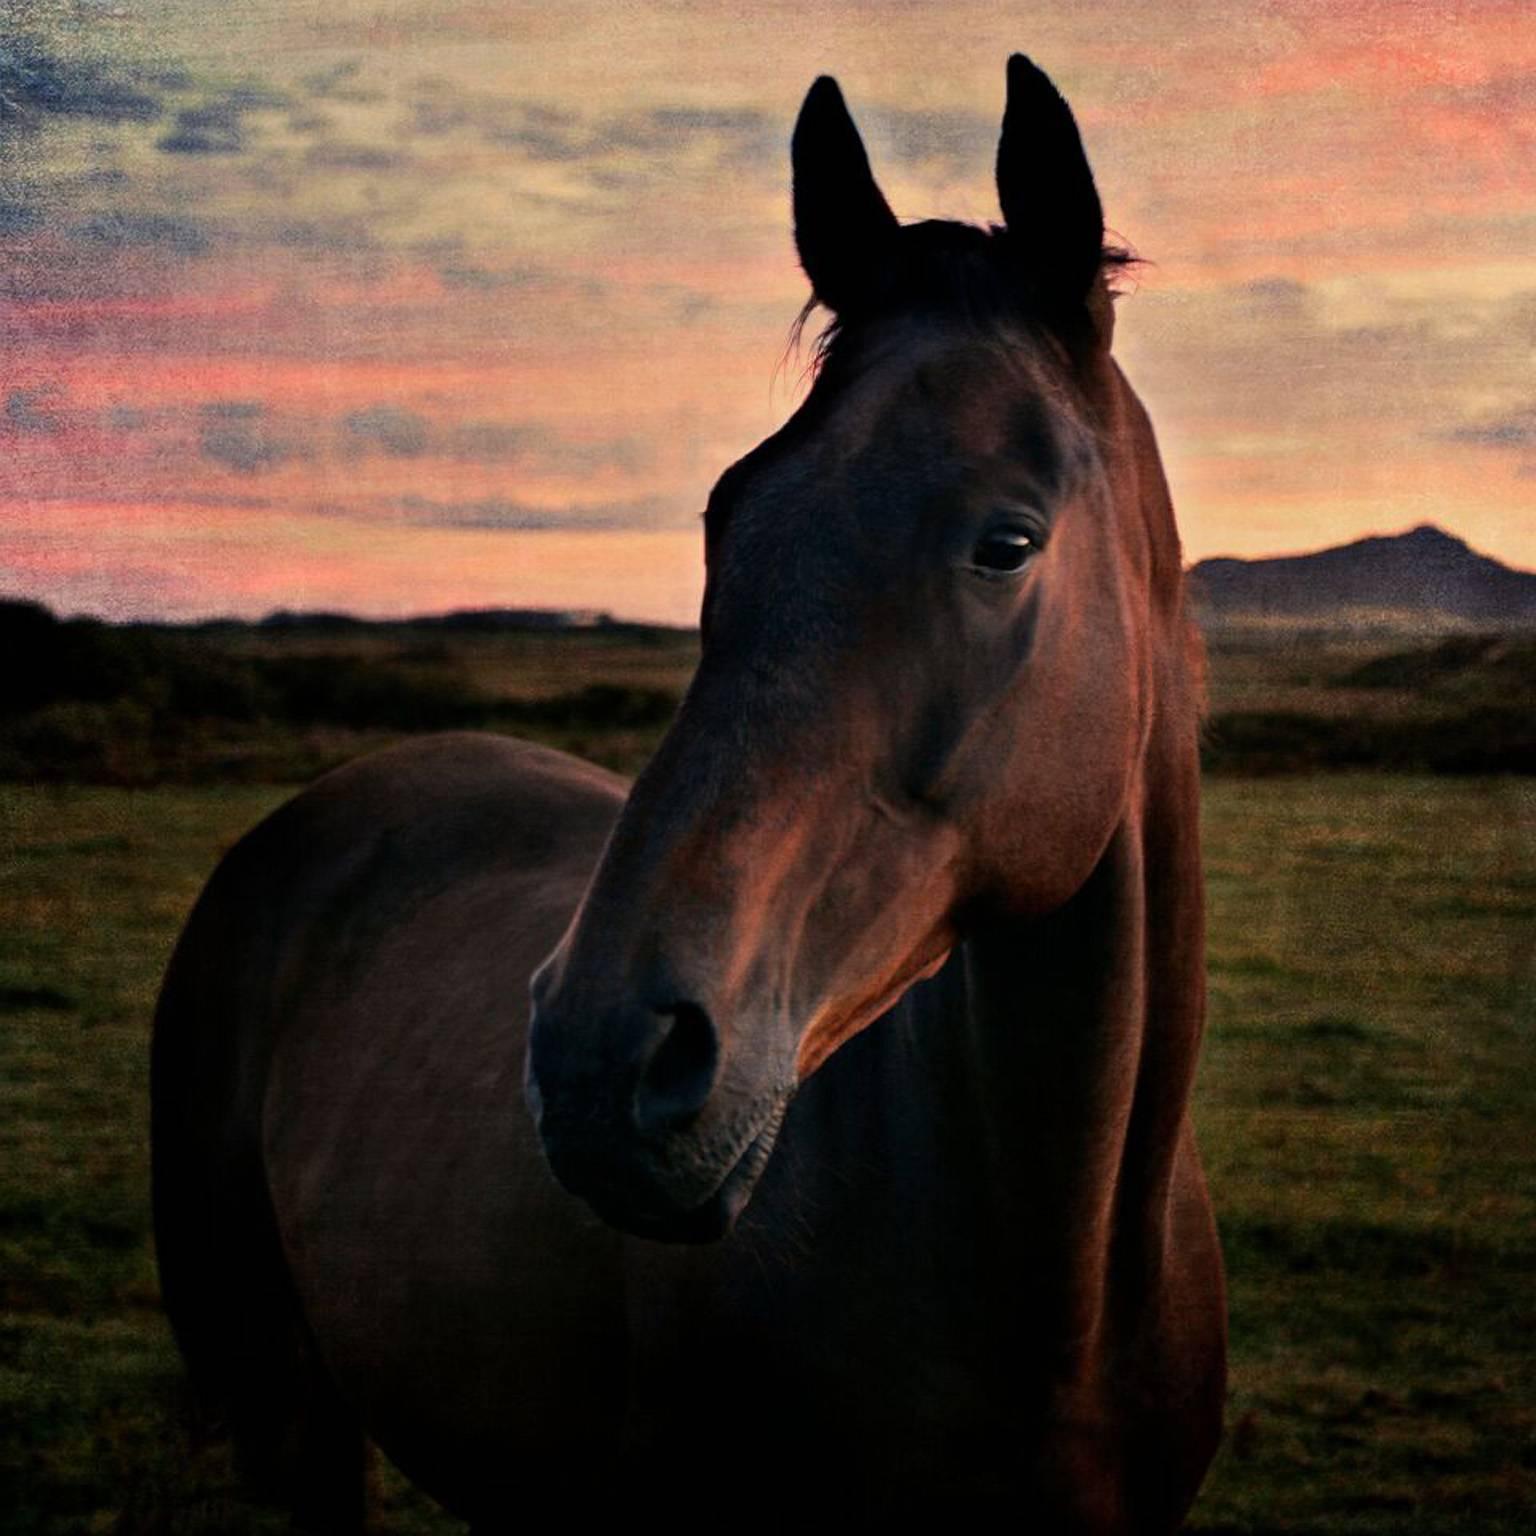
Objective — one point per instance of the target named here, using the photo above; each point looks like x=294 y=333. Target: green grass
x=1365 y=1104
x=1366 y=1108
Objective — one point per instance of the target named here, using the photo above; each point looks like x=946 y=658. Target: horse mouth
x=715 y=1216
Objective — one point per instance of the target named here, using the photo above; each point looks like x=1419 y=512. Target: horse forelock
x=965 y=272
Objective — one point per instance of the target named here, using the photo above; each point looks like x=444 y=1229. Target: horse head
x=937 y=604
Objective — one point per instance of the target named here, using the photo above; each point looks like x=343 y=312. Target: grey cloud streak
x=732 y=138
x=395 y=430
x=35 y=84
x=1517 y=430
x=251 y=438
x=498 y=514
x=244 y=436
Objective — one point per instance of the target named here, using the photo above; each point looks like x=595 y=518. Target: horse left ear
x=1050 y=204
x=844 y=228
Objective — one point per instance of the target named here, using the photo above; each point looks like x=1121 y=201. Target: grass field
x=1367 y=1105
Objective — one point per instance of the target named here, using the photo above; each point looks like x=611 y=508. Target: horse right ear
x=844 y=227
x=1050 y=204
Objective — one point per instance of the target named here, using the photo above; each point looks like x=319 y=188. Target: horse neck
x=1078 y=1053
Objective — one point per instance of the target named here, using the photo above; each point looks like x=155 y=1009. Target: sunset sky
x=405 y=305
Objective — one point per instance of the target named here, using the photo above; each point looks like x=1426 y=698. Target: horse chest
x=868 y=1299
x=887 y=1389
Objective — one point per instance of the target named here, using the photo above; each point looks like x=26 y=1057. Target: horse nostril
x=676 y=1080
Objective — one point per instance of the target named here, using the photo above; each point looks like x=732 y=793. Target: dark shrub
x=1419 y=668
x=614 y=706
x=363 y=694
x=46 y=661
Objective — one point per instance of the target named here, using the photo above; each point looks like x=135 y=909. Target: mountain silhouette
x=1425 y=571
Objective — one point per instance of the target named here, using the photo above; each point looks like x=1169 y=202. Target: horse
x=811 y=1117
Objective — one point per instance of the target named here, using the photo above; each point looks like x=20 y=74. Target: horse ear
x=843 y=224
x=1050 y=204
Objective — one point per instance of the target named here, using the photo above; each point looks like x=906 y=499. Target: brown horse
x=859 y=1178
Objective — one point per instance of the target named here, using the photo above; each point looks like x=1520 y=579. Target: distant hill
x=1424 y=572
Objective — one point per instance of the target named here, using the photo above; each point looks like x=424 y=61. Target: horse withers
x=843 y=1154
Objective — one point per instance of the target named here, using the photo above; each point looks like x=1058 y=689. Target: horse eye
x=1003 y=550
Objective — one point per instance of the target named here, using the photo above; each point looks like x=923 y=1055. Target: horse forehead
x=913 y=414
x=967 y=397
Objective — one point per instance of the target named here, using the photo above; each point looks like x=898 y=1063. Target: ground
x=1365 y=1105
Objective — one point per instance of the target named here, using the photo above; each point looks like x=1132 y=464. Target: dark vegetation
x=1495 y=738
x=86 y=702
x=1295 y=699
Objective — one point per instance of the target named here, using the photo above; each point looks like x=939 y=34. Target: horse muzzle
x=651 y=1130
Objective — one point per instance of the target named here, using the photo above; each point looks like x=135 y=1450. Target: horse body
x=868 y=1033
x=321 y=1230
